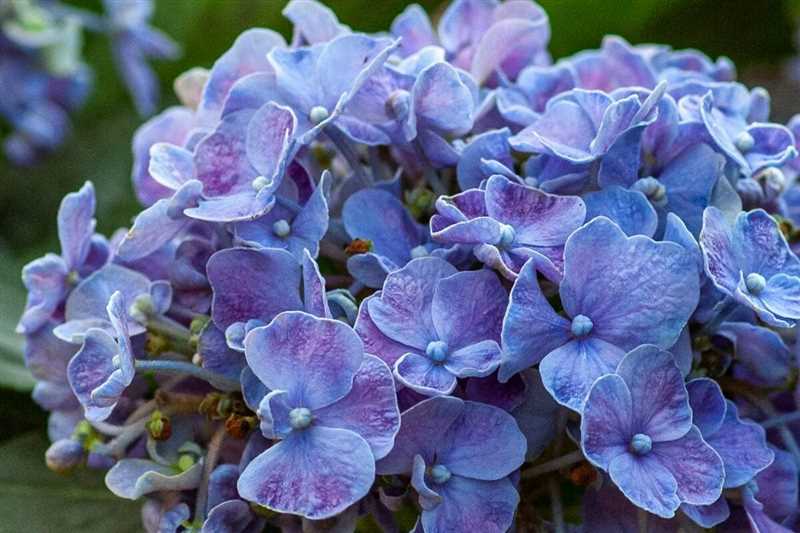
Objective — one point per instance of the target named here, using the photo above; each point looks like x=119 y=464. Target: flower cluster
x=410 y=279
x=43 y=77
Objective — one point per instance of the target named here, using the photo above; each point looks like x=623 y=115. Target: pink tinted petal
x=646 y=483
x=441 y=100
x=510 y=45
x=313 y=359
x=369 y=409
x=313 y=21
x=606 y=424
x=403 y=312
x=316 y=473
x=719 y=254
x=270 y=135
x=658 y=394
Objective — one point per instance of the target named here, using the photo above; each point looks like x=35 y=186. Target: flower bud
x=64 y=455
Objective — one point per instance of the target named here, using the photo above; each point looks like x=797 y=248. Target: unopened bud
x=64 y=455
x=159 y=426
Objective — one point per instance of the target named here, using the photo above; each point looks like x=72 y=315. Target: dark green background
x=758 y=35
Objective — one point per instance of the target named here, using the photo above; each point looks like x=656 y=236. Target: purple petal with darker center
x=695 y=466
x=76 y=225
x=316 y=473
x=369 y=409
x=313 y=359
x=473 y=505
x=646 y=483
x=423 y=375
x=708 y=405
x=630 y=210
x=468 y=307
x=375 y=342
x=606 y=426
x=233 y=273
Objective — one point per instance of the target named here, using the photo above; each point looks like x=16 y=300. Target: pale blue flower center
x=300 y=418
x=507 y=236
x=755 y=282
x=437 y=351
x=419 y=251
x=744 y=142
x=440 y=474
x=653 y=189
x=641 y=444
x=281 y=228
x=399 y=103
x=581 y=325
x=260 y=183
x=318 y=114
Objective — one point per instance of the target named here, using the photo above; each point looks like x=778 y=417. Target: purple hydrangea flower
x=50 y=278
x=459 y=455
x=509 y=224
x=637 y=426
x=751 y=263
x=320 y=382
x=438 y=324
x=103 y=368
x=609 y=280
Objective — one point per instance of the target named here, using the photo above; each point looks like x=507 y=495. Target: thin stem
x=212 y=456
x=169 y=328
x=555 y=505
x=108 y=429
x=553 y=465
x=347 y=151
x=727 y=308
x=642 y=517
x=783 y=430
x=120 y=443
x=142 y=411
x=778 y=420
x=181 y=367
x=152 y=451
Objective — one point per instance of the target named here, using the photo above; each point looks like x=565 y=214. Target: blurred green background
x=759 y=35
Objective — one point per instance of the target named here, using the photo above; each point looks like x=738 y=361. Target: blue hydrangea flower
x=752 y=264
x=509 y=224
x=103 y=368
x=459 y=455
x=50 y=278
x=742 y=445
x=607 y=293
x=333 y=409
x=439 y=324
x=637 y=426
x=133 y=42
x=289 y=226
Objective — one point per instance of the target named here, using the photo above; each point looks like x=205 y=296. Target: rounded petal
x=646 y=483
x=133 y=478
x=695 y=465
x=369 y=409
x=316 y=473
x=424 y=376
x=606 y=428
x=472 y=505
x=313 y=359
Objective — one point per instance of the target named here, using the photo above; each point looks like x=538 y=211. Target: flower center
x=398 y=104
x=281 y=228
x=744 y=142
x=653 y=189
x=317 y=114
x=581 y=325
x=439 y=474
x=260 y=183
x=507 y=236
x=300 y=418
x=437 y=351
x=755 y=282
x=419 y=251
x=641 y=444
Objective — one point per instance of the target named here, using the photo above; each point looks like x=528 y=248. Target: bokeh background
x=760 y=36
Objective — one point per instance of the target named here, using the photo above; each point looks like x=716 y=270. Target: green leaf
x=32 y=498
